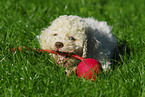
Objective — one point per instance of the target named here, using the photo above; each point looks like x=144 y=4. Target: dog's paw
x=106 y=66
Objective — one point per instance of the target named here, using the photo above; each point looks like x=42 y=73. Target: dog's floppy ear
x=42 y=38
x=84 y=55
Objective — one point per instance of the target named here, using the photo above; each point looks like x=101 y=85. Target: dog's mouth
x=68 y=54
x=65 y=54
x=64 y=57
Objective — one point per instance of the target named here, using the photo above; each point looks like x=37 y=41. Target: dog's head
x=65 y=34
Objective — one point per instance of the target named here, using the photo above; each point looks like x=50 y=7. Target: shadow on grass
x=118 y=58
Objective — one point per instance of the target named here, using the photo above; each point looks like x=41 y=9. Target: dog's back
x=101 y=42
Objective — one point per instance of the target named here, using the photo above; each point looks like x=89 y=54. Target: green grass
x=35 y=74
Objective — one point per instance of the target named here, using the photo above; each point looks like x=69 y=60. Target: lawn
x=35 y=74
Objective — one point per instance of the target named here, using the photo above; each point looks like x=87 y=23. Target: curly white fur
x=86 y=37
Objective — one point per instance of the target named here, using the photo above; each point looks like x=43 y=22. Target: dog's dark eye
x=54 y=34
x=72 y=38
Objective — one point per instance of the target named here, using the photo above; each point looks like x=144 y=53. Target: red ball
x=88 y=68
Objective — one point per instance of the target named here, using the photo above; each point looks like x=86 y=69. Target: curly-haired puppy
x=85 y=37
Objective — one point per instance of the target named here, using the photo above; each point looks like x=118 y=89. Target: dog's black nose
x=58 y=44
